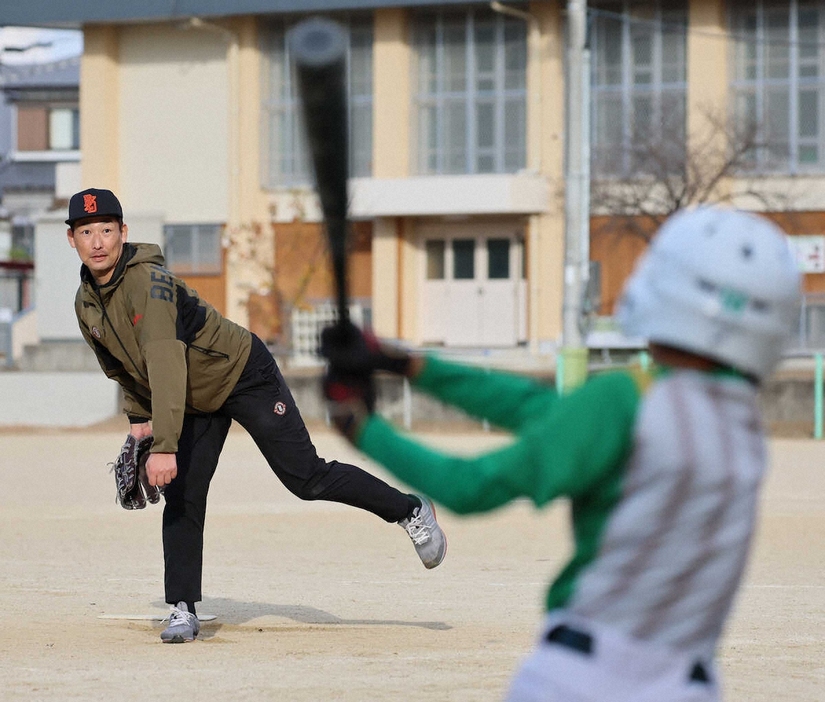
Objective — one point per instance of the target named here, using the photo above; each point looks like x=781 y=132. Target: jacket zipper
x=210 y=352
x=119 y=340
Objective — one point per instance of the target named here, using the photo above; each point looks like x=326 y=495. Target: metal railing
x=306 y=327
x=810 y=334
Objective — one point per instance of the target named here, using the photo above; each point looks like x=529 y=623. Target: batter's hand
x=161 y=468
x=352 y=351
x=350 y=401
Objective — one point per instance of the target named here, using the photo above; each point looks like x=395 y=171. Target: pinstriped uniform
x=676 y=545
x=672 y=554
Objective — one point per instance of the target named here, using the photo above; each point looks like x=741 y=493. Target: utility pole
x=571 y=360
x=577 y=174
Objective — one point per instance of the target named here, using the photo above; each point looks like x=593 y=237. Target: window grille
x=470 y=97
x=193 y=249
x=638 y=86
x=285 y=159
x=777 y=86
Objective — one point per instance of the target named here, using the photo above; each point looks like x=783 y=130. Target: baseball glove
x=133 y=489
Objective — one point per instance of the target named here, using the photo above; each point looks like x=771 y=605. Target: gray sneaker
x=427 y=537
x=183 y=626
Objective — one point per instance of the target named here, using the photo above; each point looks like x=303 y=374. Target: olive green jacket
x=170 y=351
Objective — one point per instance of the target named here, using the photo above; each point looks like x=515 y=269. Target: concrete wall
x=56 y=277
x=57 y=399
x=70 y=399
x=787 y=402
x=23 y=332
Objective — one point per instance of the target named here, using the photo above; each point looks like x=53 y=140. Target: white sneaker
x=183 y=625
x=427 y=537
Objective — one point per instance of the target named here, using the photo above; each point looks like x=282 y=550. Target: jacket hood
x=131 y=255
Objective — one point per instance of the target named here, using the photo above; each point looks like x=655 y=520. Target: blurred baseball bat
x=319 y=48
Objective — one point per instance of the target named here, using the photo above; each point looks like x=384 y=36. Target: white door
x=473 y=288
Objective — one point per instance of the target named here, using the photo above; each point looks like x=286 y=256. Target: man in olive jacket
x=186 y=373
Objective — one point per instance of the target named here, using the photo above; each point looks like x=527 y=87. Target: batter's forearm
x=462 y=484
x=506 y=400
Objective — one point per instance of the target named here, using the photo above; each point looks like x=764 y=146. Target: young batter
x=662 y=468
x=186 y=373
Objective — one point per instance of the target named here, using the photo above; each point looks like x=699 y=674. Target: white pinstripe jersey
x=675 y=546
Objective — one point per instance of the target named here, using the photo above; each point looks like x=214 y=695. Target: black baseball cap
x=94 y=202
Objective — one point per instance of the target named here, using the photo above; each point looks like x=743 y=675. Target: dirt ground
x=322 y=602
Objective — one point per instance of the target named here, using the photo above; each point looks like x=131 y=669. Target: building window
x=779 y=68
x=22 y=240
x=470 y=99
x=285 y=153
x=64 y=128
x=638 y=86
x=193 y=249
x=436 y=250
x=48 y=128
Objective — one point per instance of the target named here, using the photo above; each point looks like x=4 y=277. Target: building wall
x=545 y=237
x=386 y=249
x=154 y=127
x=301 y=266
x=397 y=244
x=32 y=128
x=211 y=288
x=804 y=223
x=392 y=71
x=181 y=134
x=100 y=108
x=616 y=244
x=707 y=76
x=173 y=136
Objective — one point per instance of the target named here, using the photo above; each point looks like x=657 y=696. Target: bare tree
x=662 y=171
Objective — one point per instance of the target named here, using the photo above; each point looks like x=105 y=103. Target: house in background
x=39 y=163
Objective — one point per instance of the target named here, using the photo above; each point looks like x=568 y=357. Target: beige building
x=199 y=123
x=457 y=146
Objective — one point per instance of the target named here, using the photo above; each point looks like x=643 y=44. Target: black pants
x=262 y=404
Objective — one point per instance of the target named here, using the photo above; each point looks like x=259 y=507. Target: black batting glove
x=352 y=351
x=350 y=401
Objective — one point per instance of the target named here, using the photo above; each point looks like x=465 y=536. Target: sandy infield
x=323 y=602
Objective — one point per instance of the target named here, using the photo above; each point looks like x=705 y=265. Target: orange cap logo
x=90 y=203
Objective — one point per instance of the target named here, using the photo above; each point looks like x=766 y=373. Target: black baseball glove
x=133 y=489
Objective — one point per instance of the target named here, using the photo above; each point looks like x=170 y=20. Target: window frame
x=74 y=117
x=274 y=47
x=431 y=94
x=195 y=265
x=749 y=51
x=619 y=159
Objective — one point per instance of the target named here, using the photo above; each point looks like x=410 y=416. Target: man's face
x=98 y=241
